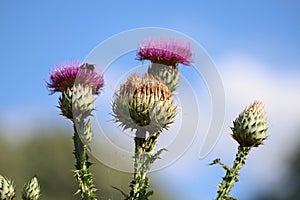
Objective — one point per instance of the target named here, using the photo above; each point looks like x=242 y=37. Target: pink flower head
x=66 y=75
x=168 y=51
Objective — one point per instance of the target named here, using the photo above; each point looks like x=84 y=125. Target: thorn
x=215 y=161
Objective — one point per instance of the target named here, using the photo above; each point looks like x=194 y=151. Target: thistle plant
x=249 y=130
x=78 y=84
x=165 y=54
x=31 y=190
x=143 y=104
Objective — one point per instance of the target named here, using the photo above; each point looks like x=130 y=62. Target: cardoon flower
x=144 y=104
x=165 y=51
x=250 y=127
x=65 y=76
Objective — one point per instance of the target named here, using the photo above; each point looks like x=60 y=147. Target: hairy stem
x=83 y=176
x=139 y=183
x=232 y=173
x=144 y=158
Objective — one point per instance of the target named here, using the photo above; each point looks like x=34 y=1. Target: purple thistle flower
x=64 y=76
x=168 y=51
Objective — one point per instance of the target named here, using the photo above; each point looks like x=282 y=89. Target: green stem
x=144 y=158
x=138 y=183
x=232 y=173
x=83 y=176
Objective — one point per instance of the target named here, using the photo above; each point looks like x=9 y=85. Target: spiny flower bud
x=31 y=190
x=7 y=191
x=78 y=103
x=168 y=74
x=250 y=127
x=144 y=104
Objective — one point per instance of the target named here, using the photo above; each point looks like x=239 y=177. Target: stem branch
x=232 y=173
x=144 y=158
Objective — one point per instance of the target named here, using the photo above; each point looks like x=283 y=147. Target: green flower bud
x=31 y=190
x=169 y=74
x=78 y=103
x=144 y=104
x=7 y=191
x=250 y=127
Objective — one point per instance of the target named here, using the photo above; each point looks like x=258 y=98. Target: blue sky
x=37 y=35
x=256 y=40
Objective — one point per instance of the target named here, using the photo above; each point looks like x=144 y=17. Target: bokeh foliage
x=288 y=187
x=49 y=157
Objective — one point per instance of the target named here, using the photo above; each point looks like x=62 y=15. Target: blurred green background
x=49 y=157
x=288 y=187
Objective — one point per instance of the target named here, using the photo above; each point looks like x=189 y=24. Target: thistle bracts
x=249 y=130
x=7 y=190
x=77 y=84
x=144 y=104
x=77 y=103
x=250 y=127
x=167 y=73
x=31 y=190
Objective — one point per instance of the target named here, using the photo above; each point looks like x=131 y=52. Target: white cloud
x=245 y=79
